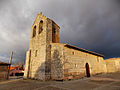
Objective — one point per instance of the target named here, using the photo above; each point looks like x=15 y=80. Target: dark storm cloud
x=90 y=24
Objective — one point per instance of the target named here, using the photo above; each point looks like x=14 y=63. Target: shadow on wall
x=57 y=69
x=51 y=68
x=57 y=66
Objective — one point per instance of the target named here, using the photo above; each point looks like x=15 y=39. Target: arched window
x=34 y=31
x=40 y=26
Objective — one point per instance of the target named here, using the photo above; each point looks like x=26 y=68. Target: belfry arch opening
x=87 y=70
x=40 y=26
x=55 y=33
x=34 y=31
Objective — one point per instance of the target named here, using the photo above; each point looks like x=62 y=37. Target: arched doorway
x=87 y=70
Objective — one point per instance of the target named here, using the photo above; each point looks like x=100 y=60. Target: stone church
x=47 y=59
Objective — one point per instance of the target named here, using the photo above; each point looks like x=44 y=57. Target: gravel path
x=98 y=82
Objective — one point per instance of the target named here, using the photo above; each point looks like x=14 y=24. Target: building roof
x=84 y=50
x=112 y=59
x=3 y=63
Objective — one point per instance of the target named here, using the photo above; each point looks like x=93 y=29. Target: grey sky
x=89 y=24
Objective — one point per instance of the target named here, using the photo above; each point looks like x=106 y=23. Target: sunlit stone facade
x=47 y=59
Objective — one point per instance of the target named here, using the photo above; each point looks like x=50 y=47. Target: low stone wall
x=113 y=65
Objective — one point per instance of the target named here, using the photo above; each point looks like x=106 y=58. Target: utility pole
x=10 y=61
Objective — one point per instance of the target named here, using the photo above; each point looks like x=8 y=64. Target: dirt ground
x=97 y=82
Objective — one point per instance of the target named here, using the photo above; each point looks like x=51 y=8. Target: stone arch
x=40 y=26
x=53 y=34
x=34 y=31
x=87 y=70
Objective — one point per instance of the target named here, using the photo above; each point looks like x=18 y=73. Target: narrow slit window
x=36 y=53
x=73 y=53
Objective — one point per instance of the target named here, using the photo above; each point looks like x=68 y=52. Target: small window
x=73 y=53
x=36 y=53
x=98 y=59
x=75 y=65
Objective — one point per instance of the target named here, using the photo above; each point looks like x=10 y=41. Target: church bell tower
x=44 y=31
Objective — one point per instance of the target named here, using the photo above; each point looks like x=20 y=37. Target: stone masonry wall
x=48 y=59
x=38 y=50
x=3 y=71
x=113 y=65
x=27 y=64
x=76 y=62
x=69 y=63
x=57 y=61
x=38 y=57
